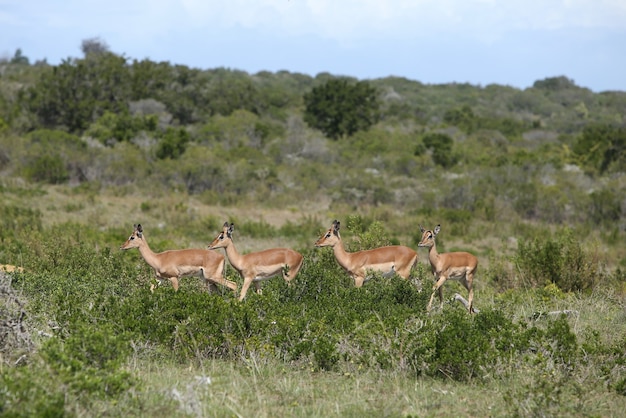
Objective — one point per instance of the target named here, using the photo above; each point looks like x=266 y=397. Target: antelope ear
x=139 y=230
x=231 y=228
x=437 y=229
x=422 y=228
x=336 y=226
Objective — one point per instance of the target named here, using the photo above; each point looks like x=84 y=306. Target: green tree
x=602 y=147
x=19 y=58
x=173 y=144
x=231 y=93
x=554 y=83
x=338 y=108
x=76 y=92
x=463 y=118
x=441 y=146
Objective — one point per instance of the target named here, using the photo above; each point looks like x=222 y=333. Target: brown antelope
x=174 y=264
x=258 y=266
x=459 y=266
x=389 y=260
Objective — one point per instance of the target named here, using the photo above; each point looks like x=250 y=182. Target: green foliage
x=76 y=91
x=602 y=148
x=89 y=361
x=115 y=127
x=368 y=234
x=48 y=169
x=233 y=92
x=463 y=118
x=17 y=219
x=441 y=146
x=606 y=207
x=25 y=392
x=554 y=83
x=240 y=128
x=338 y=108
x=561 y=260
x=173 y=144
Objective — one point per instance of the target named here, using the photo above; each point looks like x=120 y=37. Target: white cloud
x=347 y=20
x=339 y=20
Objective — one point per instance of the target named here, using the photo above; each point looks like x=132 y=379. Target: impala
x=174 y=264
x=389 y=260
x=459 y=266
x=258 y=266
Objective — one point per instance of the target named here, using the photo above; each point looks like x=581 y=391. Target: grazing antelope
x=389 y=260
x=174 y=264
x=459 y=266
x=258 y=266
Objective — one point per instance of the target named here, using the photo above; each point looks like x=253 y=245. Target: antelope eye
x=328 y=235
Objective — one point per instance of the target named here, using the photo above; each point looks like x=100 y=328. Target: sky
x=481 y=42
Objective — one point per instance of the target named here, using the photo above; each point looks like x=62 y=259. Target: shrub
x=441 y=146
x=90 y=360
x=338 y=108
x=560 y=260
x=173 y=144
x=15 y=219
x=29 y=392
x=47 y=169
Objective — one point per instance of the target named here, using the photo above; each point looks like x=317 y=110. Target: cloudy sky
x=509 y=42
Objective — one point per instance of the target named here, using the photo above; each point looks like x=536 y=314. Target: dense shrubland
x=531 y=181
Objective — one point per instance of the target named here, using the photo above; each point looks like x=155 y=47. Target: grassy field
x=100 y=344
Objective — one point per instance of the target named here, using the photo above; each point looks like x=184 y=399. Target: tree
x=19 y=58
x=463 y=118
x=441 y=145
x=94 y=46
x=77 y=92
x=173 y=144
x=338 y=108
x=602 y=147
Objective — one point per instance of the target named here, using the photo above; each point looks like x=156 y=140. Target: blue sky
x=508 y=42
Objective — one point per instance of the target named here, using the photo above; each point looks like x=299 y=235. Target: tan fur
x=257 y=266
x=9 y=268
x=174 y=264
x=395 y=258
x=459 y=266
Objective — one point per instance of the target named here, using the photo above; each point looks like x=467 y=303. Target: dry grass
x=247 y=388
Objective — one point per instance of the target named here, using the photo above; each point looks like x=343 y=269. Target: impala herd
x=258 y=266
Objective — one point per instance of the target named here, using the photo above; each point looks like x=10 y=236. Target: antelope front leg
x=358 y=281
x=244 y=288
x=470 y=288
x=174 y=281
x=437 y=289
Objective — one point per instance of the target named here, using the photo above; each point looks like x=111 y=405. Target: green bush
x=30 y=392
x=89 y=361
x=47 y=168
x=338 y=108
x=14 y=219
x=441 y=146
x=561 y=260
x=173 y=144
